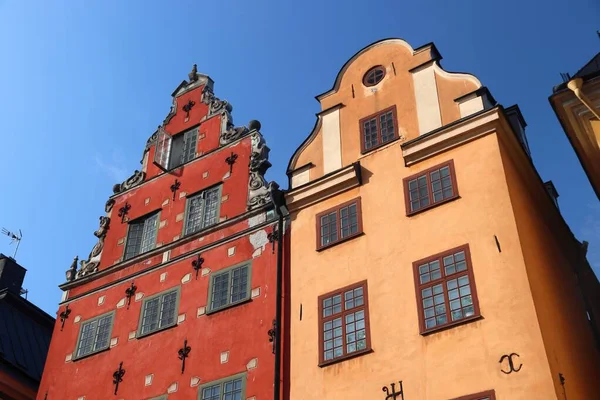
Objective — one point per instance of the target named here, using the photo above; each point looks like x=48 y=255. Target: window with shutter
x=202 y=210
x=159 y=312
x=229 y=287
x=94 y=335
x=173 y=151
x=141 y=236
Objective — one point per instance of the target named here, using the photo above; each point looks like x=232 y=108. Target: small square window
x=339 y=223
x=229 y=287
x=430 y=188
x=94 y=335
x=343 y=324
x=159 y=312
x=141 y=235
x=231 y=388
x=378 y=129
x=446 y=292
x=202 y=210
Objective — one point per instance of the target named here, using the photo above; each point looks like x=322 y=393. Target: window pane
x=370 y=133
x=163 y=147
x=168 y=312
x=103 y=333
x=211 y=392
x=190 y=141
x=441 y=184
x=239 y=284
x=195 y=209
x=349 y=221
x=232 y=390
x=134 y=239
x=329 y=228
x=86 y=338
x=353 y=333
x=150 y=315
x=211 y=207
x=219 y=290
x=387 y=126
x=149 y=233
x=176 y=157
x=418 y=195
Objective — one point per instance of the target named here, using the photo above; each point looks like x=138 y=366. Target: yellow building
x=427 y=256
x=576 y=103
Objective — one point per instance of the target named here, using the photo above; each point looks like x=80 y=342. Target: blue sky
x=84 y=83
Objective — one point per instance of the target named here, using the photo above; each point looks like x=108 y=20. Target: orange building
x=576 y=103
x=428 y=260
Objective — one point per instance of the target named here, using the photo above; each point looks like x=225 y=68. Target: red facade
x=213 y=211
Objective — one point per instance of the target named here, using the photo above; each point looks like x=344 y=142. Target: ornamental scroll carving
x=90 y=265
x=134 y=180
x=258 y=190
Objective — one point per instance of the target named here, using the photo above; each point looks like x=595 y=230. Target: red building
x=178 y=297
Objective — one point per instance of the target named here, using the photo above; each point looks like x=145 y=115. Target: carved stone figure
x=109 y=205
x=194 y=74
x=232 y=133
x=91 y=264
x=134 y=180
x=259 y=192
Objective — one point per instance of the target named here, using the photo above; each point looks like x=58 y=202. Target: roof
x=590 y=70
x=25 y=332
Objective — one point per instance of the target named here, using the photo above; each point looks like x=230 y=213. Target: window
x=446 y=292
x=343 y=324
x=94 y=335
x=430 y=188
x=173 y=151
x=202 y=210
x=231 y=388
x=339 y=223
x=141 y=235
x=163 y=397
x=159 y=312
x=229 y=287
x=487 y=395
x=378 y=129
x=374 y=76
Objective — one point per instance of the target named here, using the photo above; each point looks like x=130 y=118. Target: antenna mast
x=15 y=238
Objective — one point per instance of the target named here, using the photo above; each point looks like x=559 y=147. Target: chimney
x=11 y=274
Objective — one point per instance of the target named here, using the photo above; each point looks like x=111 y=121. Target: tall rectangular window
x=344 y=323
x=445 y=287
x=202 y=210
x=229 y=287
x=173 y=151
x=94 y=335
x=159 y=311
x=378 y=129
x=231 y=388
x=431 y=187
x=141 y=236
x=339 y=223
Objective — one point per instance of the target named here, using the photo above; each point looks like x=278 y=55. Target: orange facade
x=471 y=276
x=179 y=292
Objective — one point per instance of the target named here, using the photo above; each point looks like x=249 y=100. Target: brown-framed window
x=374 y=76
x=431 y=187
x=378 y=129
x=445 y=287
x=344 y=324
x=487 y=395
x=339 y=223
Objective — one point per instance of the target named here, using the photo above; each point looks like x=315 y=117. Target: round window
x=374 y=76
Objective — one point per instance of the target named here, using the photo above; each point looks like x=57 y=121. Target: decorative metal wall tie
x=118 y=377
x=184 y=353
x=273 y=237
x=175 y=187
x=394 y=395
x=123 y=211
x=64 y=316
x=231 y=160
x=511 y=363
x=272 y=333
x=130 y=292
x=188 y=107
x=197 y=264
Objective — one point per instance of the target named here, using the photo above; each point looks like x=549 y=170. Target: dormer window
x=374 y=76
x=173 y=151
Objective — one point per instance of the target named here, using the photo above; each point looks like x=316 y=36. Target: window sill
x=328 y=245
x=139 y=335
x=379 y=146
x=228 y=306
x=434 y=205
x=451 y=325
x=344 y=358
x=74 y=359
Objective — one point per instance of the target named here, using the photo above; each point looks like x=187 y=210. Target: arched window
x=374 y=76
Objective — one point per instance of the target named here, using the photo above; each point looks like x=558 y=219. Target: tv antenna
x=15 y=238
